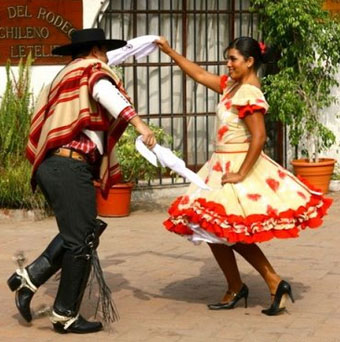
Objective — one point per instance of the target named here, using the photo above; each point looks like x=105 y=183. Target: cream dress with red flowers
x=270 y=202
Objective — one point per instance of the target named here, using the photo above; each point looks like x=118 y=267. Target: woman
x=253 y=199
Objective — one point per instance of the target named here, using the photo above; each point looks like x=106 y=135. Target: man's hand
x=148 y=136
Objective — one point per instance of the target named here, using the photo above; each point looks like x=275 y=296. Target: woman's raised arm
x=192 y=69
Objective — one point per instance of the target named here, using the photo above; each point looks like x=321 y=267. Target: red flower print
x=281 y=174
x=271 y=211
x=259 y=101
x=206 y=180
x=274 y=184
x=254 y=197
x=227 y=166
x=228 y=104
x=302 y=195
x=218 y=167
x=185 y=200
x=221 y=132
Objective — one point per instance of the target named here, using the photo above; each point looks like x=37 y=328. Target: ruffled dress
x=269 y=203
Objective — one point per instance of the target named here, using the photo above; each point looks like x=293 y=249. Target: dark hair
x=249 y=47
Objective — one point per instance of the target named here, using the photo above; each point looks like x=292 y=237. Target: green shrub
x=15 y=112
x=308 y=40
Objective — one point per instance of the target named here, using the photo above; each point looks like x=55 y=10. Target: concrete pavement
x=162 y=283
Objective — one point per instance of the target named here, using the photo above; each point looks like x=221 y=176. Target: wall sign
x=332 y=5
x=37 y=26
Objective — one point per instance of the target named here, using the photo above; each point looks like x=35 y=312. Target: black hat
x=87 y=37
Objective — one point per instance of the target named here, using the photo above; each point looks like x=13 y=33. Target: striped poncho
x=66 y=107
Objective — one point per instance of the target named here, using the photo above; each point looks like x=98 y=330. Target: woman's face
x=237 y=65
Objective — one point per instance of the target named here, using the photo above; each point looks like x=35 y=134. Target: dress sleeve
x=223 y=82
x=248 y=100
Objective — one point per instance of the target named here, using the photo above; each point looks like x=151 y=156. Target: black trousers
x=68 y=186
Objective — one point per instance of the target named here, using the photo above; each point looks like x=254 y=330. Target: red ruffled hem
x=217 y=213
x=243 y=111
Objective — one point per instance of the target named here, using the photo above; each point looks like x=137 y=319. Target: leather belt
x=68 y=153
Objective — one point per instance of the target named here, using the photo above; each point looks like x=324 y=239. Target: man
x=77 y=121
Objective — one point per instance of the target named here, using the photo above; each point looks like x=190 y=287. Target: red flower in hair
x=263 y=47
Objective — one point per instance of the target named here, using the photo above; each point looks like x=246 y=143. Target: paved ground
x=161 y=285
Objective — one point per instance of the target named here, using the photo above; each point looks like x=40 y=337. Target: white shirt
x=113 y=101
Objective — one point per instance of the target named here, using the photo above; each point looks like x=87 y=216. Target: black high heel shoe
x=277 y=306
x=243 y=293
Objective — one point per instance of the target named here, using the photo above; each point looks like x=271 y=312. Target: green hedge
x=15 y=112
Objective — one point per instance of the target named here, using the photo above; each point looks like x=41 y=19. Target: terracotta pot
x=317 y=173
x=117 y=202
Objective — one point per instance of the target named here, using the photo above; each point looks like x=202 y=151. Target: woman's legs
x=225 y=258
x=255 y=257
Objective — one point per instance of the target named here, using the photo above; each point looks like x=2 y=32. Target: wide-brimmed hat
x=87 y=37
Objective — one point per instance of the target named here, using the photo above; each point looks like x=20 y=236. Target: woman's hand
x=163 y=45
x=231 y=177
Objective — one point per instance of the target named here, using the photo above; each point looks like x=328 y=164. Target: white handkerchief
x=138 y=47
x=145 y=152
x=168 y=159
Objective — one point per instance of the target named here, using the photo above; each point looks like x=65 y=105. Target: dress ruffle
x=243 y=111
x=210 y=216
x=249 y=95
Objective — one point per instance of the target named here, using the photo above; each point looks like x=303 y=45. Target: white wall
x=42 y=75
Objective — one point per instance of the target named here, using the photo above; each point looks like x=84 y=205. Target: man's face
x=100 y=53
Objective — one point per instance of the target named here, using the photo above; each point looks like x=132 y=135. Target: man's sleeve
x=112 y=100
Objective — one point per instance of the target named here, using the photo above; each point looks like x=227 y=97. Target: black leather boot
x=26 y=282
x=74 y=276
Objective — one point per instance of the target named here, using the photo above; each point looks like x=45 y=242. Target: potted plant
x=308 y=40
x=134 y=168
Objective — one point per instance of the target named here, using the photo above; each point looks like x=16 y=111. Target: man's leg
x=39 y=271
x=68 y=184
